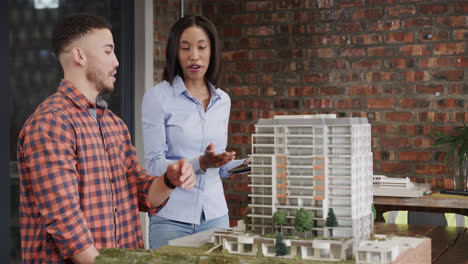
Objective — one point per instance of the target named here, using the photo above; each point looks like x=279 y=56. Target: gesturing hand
x=213 y=160
x=180 y=174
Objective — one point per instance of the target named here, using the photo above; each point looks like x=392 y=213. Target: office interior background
x=403 y=64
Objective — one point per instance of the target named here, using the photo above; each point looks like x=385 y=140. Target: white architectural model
x=252 y=245
x=394 y=250
x=399 y=187
x=383 y=250
x=394 y=183
x=316 y=163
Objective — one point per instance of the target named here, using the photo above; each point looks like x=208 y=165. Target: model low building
x=395 y=250
x=397 y=183
x=316 y=249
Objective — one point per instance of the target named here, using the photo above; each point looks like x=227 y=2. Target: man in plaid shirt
x=81 y=185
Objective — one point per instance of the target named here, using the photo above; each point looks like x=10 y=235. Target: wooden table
x=428 y=203
x=449 y=244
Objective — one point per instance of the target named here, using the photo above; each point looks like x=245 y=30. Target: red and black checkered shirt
x=81 y=183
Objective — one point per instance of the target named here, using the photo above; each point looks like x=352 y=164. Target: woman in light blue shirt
x=186 y=116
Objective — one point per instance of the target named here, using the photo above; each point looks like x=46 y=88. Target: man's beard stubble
x=96 y=76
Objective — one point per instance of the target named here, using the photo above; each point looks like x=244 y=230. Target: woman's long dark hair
x=173 y=67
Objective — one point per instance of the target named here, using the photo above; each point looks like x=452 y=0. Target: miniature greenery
x=247 y=219
x=182 y=255
x=279 y=218
x=374 y=212
x=280 y=247
x=259 y=253
x=269 y=235
x=331 y=218
x=303 y=221
x=457 y=144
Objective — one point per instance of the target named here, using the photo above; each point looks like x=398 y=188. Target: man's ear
x=78 y=55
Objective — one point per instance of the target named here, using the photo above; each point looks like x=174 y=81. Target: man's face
x=102 y=63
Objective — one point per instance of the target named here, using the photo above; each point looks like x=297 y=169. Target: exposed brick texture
x=402 y=64
x=166 y=13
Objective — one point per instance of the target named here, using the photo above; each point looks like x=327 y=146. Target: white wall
x=143 y=78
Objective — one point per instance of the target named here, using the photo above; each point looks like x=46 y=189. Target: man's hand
x=181 y=174
x=213 y=160
x=86 y=256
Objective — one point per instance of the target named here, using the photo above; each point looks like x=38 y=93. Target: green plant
x=279 y=218
x=269 y=235
x=331 y=220
x=374 y=212
x=303 y=221
x=457 y=144
x=280 y=247
x=259 y=252
x=247 y=219
x=457 y=148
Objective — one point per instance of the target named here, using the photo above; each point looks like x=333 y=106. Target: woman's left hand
x=213 y=160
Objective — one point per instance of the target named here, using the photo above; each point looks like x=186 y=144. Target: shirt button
x=112 y=180
x=115 y=210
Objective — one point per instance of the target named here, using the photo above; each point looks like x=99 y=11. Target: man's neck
x=84 y=86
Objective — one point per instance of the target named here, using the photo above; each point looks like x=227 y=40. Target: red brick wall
x=403 y=64
x=166 y=13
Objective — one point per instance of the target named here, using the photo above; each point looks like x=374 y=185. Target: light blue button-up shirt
x=176 y=126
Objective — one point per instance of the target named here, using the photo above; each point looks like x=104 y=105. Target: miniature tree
x=279 y=218
x=331 y=220
x=247 y=220
x=259 y=252
x=374 y=212
x=303 y=221
x=280 y=247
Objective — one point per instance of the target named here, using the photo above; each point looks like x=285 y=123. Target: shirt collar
x=78 y=98
x=179 y=88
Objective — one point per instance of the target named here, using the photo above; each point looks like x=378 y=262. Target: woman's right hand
x=213 y=160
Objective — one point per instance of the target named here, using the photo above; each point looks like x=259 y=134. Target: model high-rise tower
x=316 y=163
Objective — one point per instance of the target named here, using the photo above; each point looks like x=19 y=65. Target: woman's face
x=194 y=53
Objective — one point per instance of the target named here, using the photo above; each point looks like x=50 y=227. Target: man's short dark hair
x=173 y=67
x=75 y=26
